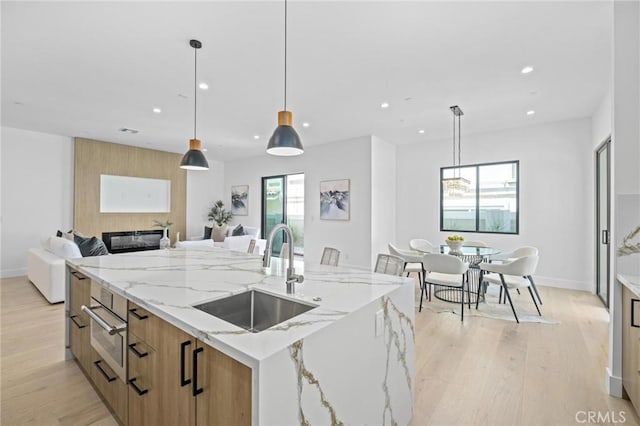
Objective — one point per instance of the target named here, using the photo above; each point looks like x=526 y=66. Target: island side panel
x=347 y=373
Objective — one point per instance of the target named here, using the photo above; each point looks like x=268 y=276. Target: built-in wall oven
x=108 y=313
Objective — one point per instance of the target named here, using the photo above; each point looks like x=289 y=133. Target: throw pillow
x=207 y=233
x=237 y=231
x=90 y=246
x=63 y=248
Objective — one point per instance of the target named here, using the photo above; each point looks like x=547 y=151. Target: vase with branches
x=221 y=217
x=165 y=242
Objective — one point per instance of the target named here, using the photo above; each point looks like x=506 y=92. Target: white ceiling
x=90 y=68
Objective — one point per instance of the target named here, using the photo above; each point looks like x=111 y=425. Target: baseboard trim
x=614 y=384
x=8 y=273
x=563 y=283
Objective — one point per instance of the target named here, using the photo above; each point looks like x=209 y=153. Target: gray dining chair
x=389 y=264
x=330 y=256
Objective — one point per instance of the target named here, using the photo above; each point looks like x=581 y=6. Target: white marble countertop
x=632 y=282
x=169 y=282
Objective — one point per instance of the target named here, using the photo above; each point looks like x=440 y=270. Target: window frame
x=477 y=189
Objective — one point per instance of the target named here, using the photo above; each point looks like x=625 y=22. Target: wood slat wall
x=95 y=158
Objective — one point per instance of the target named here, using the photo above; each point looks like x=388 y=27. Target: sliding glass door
x=283 y=202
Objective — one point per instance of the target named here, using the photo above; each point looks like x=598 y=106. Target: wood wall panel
x=95 y=158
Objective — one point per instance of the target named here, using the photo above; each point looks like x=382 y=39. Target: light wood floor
x=481 y=372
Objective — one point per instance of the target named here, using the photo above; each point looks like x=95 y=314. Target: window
x=480 y=198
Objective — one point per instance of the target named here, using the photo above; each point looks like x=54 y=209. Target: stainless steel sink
x=254 y=310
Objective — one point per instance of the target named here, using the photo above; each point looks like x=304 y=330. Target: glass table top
x=471 y=250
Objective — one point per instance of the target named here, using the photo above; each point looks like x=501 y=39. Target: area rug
x=490 y=308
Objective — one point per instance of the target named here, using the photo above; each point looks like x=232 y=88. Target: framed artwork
x=334 y=199
x=240 y=200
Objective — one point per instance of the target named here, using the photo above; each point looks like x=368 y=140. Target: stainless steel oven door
x=109 y=338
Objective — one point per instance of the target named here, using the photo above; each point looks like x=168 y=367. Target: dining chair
x=446 y=271
x=474 y=243
x=330 y=256
x=389 y=264
x=514 y=254
x=511 y=274
x=252 y=246
x=421 y=245
x=412 y=261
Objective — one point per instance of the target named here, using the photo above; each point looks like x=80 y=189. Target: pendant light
x=194 y=159
x=456 y=185
x=285 y=140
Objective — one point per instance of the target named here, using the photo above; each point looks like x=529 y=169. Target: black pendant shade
x=285 y=140
x=194 y=159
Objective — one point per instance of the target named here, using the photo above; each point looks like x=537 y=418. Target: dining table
x=472 y=255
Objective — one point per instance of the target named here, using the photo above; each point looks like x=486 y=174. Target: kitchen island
x=348 y=360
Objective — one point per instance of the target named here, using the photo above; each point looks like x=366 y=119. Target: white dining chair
x=330 y=256
x=422 y=245
x=514 y=254
x=412 y=261
x=389 y=264
x=511 y=274
x=446 y=271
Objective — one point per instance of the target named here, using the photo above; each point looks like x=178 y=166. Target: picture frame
x=335 y=199
x=240 y=200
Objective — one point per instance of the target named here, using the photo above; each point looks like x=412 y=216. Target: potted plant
x=220 y=216
x=165 y=242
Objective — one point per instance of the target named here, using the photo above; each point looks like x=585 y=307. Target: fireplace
x=127 y=241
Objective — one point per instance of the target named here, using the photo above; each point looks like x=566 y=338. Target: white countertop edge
x=632 y=282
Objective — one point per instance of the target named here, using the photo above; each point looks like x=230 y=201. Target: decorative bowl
x=454 y=245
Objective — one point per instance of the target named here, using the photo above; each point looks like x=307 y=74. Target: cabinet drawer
x=80 y=343
x=111 y=388
x=139 y=322
x=140 y=359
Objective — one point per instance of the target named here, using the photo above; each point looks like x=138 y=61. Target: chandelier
x=456 y=185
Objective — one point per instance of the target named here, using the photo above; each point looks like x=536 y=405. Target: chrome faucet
x=292 y=278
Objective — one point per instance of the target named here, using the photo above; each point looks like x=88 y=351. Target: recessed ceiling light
x=204 y=149
x=305 y=124
x=531 y=112
x=421 y=131
x=526 y=70
x=203 y=86
x=256 y=137
x=157 y=110
x=384 y=105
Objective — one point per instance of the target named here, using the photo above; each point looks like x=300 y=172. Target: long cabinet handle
x=183 y=367
x=78 y=275
x=196 y=391
x=104 y=373
x=132 y=383
x=132 y=348
x=102 y=323
x=73 y=318
x=633 y=316
x=134 y=312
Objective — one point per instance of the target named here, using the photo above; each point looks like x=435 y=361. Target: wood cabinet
x=178 y=379
x=112 y=389
x=631 y=346
x=79 y=330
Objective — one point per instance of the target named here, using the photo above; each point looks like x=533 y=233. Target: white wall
x=349 y=159
x=383 y=196
x=204 y=187
x=601 y=121
x=556 y=201
x=37 y=193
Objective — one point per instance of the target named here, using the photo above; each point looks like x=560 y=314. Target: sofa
x=231 y=242
x=46 y=266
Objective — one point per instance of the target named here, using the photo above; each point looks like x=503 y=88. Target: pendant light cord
x=454 y=139
x=285 y=55
x=459 y=138
x=195 y=91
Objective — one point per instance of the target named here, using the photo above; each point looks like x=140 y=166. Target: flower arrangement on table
x=220 y=216
x=165 y=242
